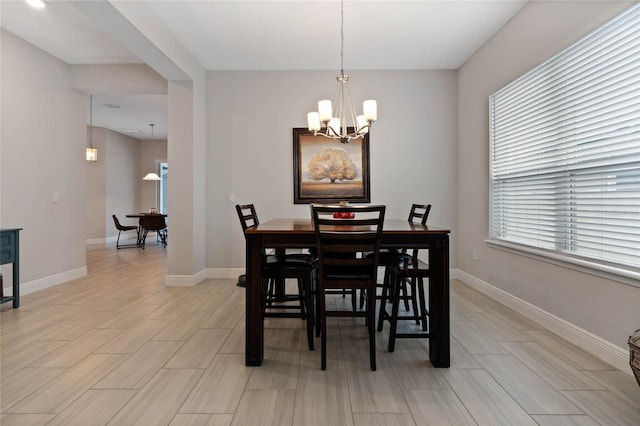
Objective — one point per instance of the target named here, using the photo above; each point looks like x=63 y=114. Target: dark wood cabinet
x=10 y=253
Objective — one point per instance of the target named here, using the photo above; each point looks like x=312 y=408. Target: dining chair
x=419 y=213
x=390 y=257
x=405 y=273
x=339 y=244
x=157 y=223
x=278 y=268
x=125 y=228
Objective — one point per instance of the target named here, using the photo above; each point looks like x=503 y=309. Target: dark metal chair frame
x=125 y=228
x=339 y=244
x=157 y=223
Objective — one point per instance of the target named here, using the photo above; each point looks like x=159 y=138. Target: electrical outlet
x=56 y=197
x=474 y=256
x=230 y=198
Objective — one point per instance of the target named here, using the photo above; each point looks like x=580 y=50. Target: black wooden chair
x=157 y=223
x=404 y=281
x=339 y=244
x=279 y=267
x=392 y=257
x=125 y=228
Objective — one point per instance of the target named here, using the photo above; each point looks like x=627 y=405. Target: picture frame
x=314 y=182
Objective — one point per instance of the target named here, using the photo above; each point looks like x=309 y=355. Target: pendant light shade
x=92 y=154
x=151 y=176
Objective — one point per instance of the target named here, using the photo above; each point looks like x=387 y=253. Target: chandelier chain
x=342 y=37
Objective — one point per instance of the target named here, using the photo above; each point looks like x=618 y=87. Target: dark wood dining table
x=397 y=233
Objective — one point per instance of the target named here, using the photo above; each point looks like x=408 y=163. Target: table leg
x=439 y=343
x=16 y=274
x=140 y=231
x=254 y=333
x=16 y=283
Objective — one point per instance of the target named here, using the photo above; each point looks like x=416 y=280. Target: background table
x=397 y=233
x=140 y=216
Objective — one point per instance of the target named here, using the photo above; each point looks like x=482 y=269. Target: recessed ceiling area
x=263 y=35
x=132 y=115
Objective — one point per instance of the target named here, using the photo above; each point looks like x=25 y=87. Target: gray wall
x=608 y=309
x=250 y=147
x=123 y=178
x=42 y=151
x=96 y=194
x=151 y=152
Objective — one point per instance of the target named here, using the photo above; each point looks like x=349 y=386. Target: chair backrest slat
x=419 y=212
x=247 y=215
x=341 y=242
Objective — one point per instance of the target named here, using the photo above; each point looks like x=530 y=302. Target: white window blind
x=565 y=150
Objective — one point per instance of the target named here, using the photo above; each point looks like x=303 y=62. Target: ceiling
x=265 y=35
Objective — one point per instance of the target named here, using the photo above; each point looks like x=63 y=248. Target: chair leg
x=144 y=238
x=414 y=300
x=301 y=298
x=423 y=305
x=393 y=319
x=318 y=319
x=118 y=240
x=354 y=300
x=403 y=287
x=386 y=296
x=269 y=292
x=371 y=308
x=308 y=297
x=323 y=332
x=383 y=300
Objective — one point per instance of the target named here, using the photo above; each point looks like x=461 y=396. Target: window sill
x=625 y=276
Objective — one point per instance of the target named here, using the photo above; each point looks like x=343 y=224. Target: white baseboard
x=132 y=236
x=602 y=349
x=185 y=280
x=46 y=282
x=225 y=273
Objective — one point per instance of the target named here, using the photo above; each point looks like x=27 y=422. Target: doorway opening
x=163 y=171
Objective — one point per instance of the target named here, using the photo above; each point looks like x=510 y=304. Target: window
x=163 y=168
x=565 y=151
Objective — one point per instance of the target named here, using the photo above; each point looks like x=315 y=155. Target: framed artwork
x=327 y=171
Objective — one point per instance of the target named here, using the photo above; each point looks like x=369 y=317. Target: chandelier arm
x=352 y=110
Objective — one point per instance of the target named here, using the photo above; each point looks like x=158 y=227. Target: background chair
x=405 y=273
x=279 y=267
x=392 y=257
x=121 y=228
x=157 y=223
x=339 y=244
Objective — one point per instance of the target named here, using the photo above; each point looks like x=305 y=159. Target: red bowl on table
x=344 y=215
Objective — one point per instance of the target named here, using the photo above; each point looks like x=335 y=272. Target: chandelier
x=334 y=124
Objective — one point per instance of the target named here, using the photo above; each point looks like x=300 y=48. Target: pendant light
x=330 y=120
x=151 y=175
x=91 y=152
